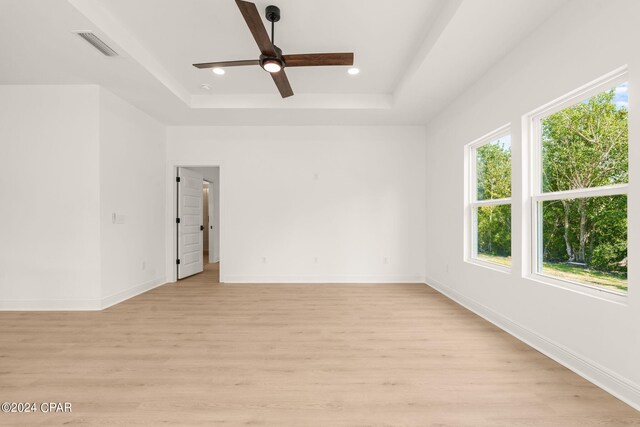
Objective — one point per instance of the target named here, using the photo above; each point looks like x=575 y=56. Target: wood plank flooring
x=199 y=353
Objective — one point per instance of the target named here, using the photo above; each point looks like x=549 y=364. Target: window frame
x=472 y=202
x=532 y=121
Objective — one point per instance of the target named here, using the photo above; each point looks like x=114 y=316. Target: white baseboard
x=51 y=305
x=308 y=279
x=620 y=387
x=118 y=297
x=80 y=305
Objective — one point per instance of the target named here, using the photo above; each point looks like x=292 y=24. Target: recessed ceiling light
x=218 y=71
x=205 y=86
x=353 y=71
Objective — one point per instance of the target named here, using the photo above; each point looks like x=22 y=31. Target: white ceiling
x=415 y=56
x=206 y=31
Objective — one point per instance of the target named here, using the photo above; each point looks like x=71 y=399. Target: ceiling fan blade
x=222 y=64
x=281 y=80
x=254 y=22
x=314 y=59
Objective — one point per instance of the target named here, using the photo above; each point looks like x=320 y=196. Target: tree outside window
x=582 y=200
x=491 y=199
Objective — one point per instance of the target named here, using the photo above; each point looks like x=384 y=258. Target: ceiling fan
x=271 y=59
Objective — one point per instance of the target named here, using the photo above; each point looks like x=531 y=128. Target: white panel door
x=189 y=228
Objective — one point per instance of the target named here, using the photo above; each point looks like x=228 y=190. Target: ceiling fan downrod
x=272 y=14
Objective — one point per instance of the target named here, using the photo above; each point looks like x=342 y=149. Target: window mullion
x=491 y=202
x=610 y=190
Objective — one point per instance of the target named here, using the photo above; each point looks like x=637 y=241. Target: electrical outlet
x=315 y=260
x=446 y=268
x=144 y=265
x=264 y=260
x=117 y=218
x=385 y=260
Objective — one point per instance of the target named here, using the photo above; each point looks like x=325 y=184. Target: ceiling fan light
x=218 y=71
x=272 y=65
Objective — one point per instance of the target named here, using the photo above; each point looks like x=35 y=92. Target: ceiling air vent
x=95 y=41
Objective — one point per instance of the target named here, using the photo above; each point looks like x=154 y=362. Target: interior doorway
x=210 y=234
x=198 y=223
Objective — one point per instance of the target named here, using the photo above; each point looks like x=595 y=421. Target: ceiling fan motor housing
x=278 y=57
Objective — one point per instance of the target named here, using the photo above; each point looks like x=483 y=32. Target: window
x=490 y=199
x=579 y=198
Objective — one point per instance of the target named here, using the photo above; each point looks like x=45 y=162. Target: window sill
x=490 y=265
x=580 y=288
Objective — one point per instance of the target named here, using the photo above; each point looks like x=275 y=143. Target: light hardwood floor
x=198 y=353
x=211 y=271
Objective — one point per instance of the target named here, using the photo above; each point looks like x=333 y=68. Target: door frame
x=171 y=230
x=211 y=231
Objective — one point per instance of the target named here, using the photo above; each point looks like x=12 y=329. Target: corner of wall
x=132 y=161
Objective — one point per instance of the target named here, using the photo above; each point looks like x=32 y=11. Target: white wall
x=132 y=167
x=311 y=204
x=49 y=187
x=595 y=337
x=72 y=156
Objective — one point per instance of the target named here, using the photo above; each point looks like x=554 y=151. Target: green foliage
x=607 y=256
x=493 y=166
x=494 y=230
x=605 y=224
x=583 y=146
